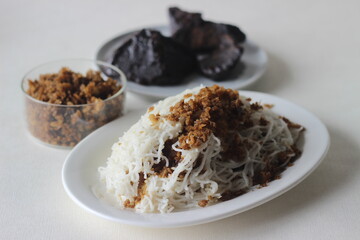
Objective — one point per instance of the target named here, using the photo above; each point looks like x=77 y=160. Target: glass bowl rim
x=123 y=80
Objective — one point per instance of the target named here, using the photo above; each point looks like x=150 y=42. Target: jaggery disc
x=192 y=31
x=149 y=58
x=217 y=45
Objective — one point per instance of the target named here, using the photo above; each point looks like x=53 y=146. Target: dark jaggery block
x=218 y=65
x=218 y=46
x=208 y=36
x=179 y=19
x=149 y=58
x=192 y=31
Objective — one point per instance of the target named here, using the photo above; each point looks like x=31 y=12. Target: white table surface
x=314 y=61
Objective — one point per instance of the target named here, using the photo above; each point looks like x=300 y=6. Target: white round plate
x=80 y=174
x=253 y=61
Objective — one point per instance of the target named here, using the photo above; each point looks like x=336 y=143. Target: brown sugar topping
x=151 y=109
x=203 y=203
x=269 y=106
x=213 y=110
x=70 y=88
x=141 y=192
x=141 y=188
x=129 y=204
x=154 y=118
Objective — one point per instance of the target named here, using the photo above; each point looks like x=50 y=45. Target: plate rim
x=206 y=219
x=136 y=88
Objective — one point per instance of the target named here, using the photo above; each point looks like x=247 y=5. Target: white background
x=314 y=61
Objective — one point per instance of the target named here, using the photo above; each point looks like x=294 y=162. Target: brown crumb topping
x=269 y=106
x=263 y=122
x=141 y=188
x=129 y=204
x=154 y=118
x=213 y=110
x=203 y=203
x=151 y=109
x=141 y=192
x=70 y=88
x=165 y=172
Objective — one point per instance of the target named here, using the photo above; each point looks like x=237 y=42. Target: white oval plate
x=79 y=172
x=254 y=61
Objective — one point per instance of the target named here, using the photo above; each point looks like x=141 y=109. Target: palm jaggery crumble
x=151 y=109
x=57 y=123
x=203 y=203
x=141 y=192
x=154 y=118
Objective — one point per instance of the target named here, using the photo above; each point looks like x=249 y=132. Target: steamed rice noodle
x=202 y=146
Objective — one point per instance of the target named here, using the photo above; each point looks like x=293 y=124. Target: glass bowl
x=65 y=125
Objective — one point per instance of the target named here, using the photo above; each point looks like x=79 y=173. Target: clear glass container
x=66 y=125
